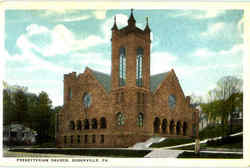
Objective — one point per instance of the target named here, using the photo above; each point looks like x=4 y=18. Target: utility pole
x=197 y=138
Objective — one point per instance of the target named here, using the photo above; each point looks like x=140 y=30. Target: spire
x=131 y=20
x=147 y=29
x=114 y=26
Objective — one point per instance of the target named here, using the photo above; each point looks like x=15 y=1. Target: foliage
x=229 y=141
x=31 y=110
x=222 y=102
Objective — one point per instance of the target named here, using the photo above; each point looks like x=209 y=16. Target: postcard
x=115 y=84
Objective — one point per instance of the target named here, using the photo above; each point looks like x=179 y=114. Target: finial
x=132 y=10
x=147 y=29
x=114 y=26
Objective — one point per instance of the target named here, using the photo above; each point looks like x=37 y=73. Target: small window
x=70 y=93
x=72 y=125
x=93 y=138
x=65 y=139
x=78 y=139
x=94 y=123
x=120 y=118
x=86 y=124
x=72 y=139
x=140 y=120
x=79 y=125
x=86 y=139
x=102 y=139
x=103 y=123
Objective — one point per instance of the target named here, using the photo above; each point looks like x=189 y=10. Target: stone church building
x=128 y=106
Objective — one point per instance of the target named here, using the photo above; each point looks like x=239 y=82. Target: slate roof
x=105 y=80
x=155 y=80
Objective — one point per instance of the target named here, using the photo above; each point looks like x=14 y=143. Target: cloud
x=198 y=14
x=100 y=14
x=214 y=29
x=162 y=62
x=58 y=40
x=121 y=21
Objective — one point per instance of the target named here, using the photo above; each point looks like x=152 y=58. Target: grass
x=235 y=142
x=171 y=142
x=87 y=152
x=210 y=155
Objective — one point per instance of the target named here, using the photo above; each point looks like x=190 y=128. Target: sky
x=42 y=45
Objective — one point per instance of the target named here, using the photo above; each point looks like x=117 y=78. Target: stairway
x=146 y=144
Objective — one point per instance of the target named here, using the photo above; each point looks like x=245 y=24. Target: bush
x=212 y=131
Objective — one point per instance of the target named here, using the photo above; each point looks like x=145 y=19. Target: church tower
x=130 y=55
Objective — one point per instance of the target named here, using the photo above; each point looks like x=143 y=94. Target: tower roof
x=131 y=20
x=114 y=26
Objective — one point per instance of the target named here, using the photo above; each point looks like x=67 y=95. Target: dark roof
x=155 y=80
x=104 y=79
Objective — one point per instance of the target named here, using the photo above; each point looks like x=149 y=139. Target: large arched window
x=103 y=122
x=140 y=120
x=122 y=66
x=120 y=118
x=139 y=59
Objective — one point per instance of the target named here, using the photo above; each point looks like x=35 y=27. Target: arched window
x=94 y=123
x=71 y=125
x=185 y=127
x=139 y=59
x=103 y=122
x=140 y=120
x=120 y=118
x=79 y=125
x=122 y=66
x=157 y=123
x=178 y=128
x=171 y=127
x=164 y=126
x=86 y=124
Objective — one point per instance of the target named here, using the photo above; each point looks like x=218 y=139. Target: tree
x=218 y=106
x=21 y=106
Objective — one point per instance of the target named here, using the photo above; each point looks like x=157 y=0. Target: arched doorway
x=164 y=126
x=185 y=127
x=171 y=127
x=178 y=128
x=157 y=125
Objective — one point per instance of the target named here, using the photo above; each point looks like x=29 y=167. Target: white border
x=142 y=162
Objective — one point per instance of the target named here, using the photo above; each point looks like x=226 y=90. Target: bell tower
x=130 y=55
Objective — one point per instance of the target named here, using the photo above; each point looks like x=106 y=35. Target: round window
x=171 y=101
x=87 y=100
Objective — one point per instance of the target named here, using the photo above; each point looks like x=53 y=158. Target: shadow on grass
x=210 y=155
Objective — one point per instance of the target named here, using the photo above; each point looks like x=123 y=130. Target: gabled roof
x=155 y=80
x=104 y=79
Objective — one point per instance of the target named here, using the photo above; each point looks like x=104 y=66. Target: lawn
x=171 y=142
